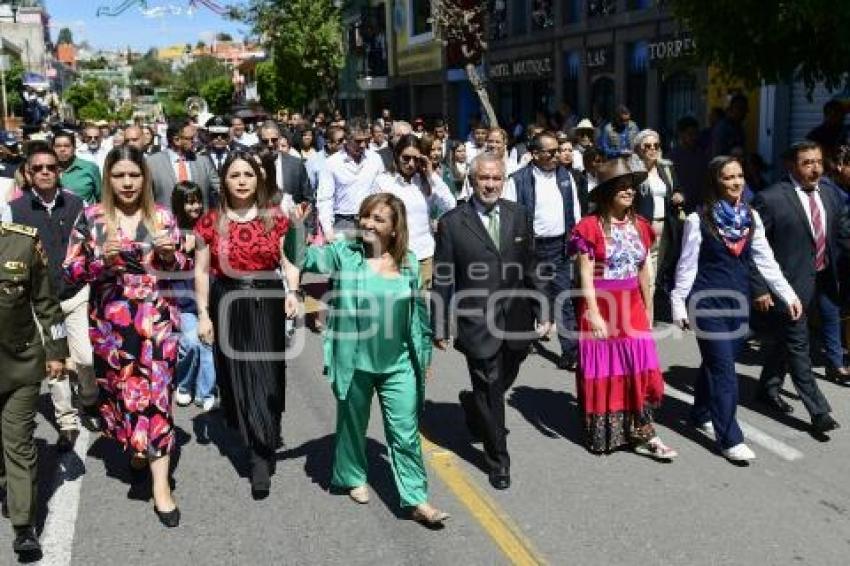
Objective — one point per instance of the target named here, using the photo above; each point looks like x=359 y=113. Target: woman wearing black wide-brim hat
x=619 y=380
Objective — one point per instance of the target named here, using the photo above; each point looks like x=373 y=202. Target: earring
x=393 y=234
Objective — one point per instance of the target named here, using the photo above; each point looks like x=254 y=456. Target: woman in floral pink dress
x=124 y=248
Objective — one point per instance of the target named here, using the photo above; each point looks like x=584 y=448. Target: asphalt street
x=566 y=506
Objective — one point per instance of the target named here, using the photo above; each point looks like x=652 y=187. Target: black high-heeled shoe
x=261 y=482
x=170 y=519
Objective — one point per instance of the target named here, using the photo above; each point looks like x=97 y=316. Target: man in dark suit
x=290 y=173
x=485 y=275
x=180 y=163
x=554 y=202
x=219 y=145
x=804 y=226
x=400 y=129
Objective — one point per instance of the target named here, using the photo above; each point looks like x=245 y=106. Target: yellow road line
x=504 y=532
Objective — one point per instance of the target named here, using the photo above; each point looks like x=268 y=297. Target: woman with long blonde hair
x=123 y=248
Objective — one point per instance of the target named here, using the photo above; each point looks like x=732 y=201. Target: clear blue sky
x=163 y=22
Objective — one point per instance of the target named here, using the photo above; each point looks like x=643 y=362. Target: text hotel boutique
x=593 y=55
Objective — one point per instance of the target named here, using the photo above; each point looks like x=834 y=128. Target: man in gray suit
x=180 y=163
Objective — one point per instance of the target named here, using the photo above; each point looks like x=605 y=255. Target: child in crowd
x=195 y=372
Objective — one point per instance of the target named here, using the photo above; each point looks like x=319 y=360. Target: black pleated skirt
x=249 y=320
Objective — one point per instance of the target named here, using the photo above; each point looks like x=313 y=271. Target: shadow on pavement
x=116 y=462
x=683 y=379
x=318 y=463
x=444 y=425
x=552 y=413
x=211 y=428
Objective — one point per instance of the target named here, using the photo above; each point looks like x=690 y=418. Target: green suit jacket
x=345 y=263
x=24 y=291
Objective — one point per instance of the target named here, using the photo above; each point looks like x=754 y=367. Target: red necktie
x=820 y=233
x=182 y=171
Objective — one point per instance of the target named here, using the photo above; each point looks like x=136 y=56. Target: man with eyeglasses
x=290 y=173
x=75 y=174
x=93 y=150
x=399 y=128
x=347 y=178
x=333 y=143
x=180 y=163
x=53 y=211
x=554 y=200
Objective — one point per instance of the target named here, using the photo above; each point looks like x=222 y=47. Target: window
x=678 y=99
x=572 y=63
x=519 y=17
x=636 y=81
x=420 y=17
x=498 y=19
x=602 y=100
x=542 y=14
x=599 y=8
x=572 y=11
x=638 y=4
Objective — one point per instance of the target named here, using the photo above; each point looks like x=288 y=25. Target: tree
x=15 y=87
x=305 y=39
x=196 y=74
x=218 y=93
x=770 y=41
x=65 y=37
x=221 y=36
x=151 y=69
x=87 y=93
x=461 y=25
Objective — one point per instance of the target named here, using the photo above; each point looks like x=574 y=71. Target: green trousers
x=398 y=396
x=18 y=460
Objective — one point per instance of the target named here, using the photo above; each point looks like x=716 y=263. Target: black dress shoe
x=824 y=423
x=840 y=376
x=26 y=541
x=66 y=440
x=90 y=419
x=567 y=362
x=261 y=482
x=775 y=403
x=500 y=479
x=170 y=519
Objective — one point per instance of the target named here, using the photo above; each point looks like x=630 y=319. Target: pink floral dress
x=133 y=329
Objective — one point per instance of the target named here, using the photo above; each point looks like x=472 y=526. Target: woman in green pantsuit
x=378 y=339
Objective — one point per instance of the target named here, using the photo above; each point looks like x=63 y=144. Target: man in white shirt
x=379 y=138
x=93 y=149
x=496 y=143
x=239 y=136
x=347 y=179
x=478 y=142
x=555 y=202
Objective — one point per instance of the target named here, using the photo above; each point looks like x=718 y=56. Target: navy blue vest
x=718 y=269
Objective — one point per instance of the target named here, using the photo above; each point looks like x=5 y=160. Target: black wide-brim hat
x=612 y=172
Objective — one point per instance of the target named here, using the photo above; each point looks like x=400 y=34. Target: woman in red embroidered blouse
x=242 y=313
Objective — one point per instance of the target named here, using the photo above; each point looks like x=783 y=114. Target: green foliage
x=221 y=36
x=65 y=36
x=305 y=38
x=218 y=93
x=14 y=87
x=174 y=108
x=91 y=93
x=196 y=74
x=771 y=40
x=95 y=110
x=151 y=69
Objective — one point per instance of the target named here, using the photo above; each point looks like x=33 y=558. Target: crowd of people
x=164 y=267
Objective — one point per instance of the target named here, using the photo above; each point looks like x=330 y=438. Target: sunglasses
x=90 y=138
x=44 y=167
x=219 y=136
x=337 y=141
x=409 y=158
x=549 y=152
x=648 y=146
